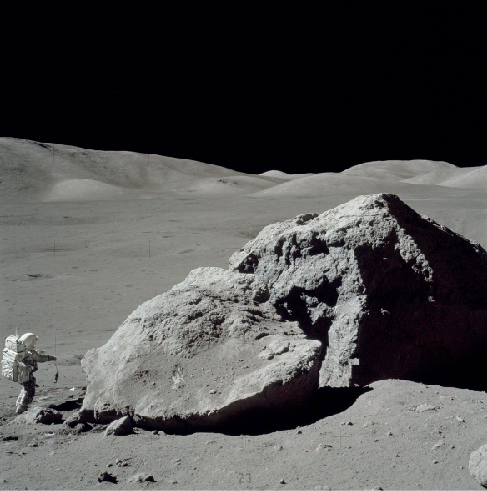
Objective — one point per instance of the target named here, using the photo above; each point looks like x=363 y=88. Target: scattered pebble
x=141 y=478
x=282 y=481
x=322 y=446
x=155 y=432
x=346 y=423
x=212 y=391
x=389 y=433
x=458 y=418
x=278 y=447
x=435 y=461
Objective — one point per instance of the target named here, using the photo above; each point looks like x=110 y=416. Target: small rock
x=73 y=420
x=435 y=461
x=438 y=445
x=278 y=447
x=282 y=481
x=425 y=407
x=120 y=427
x=212 y=391
x=458 y=418
x=346 y=423
x=141 y=478
x=368 y=423
x=389 y=433
x=299 y=432
x=322 y=446
x=155 y=432
x=122 y=463
x=105 y=476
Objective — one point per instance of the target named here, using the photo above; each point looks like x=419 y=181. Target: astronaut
x=31 y=358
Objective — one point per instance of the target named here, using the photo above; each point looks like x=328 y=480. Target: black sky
x=300 y=87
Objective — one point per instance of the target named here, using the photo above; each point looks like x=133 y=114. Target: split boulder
x=369 y=290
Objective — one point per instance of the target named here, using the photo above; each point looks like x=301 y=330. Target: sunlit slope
x=54 y=172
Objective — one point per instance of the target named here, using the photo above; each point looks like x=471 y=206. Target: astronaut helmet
x=29 y=340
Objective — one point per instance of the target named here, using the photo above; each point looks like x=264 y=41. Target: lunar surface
x=88 y=236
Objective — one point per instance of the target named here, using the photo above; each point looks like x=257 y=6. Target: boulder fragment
x=478 y=465
x=390 y=293
x=39 y=415
x=120 y=427
x=198 y=343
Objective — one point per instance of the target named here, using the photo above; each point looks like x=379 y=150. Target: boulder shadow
x=327 y=401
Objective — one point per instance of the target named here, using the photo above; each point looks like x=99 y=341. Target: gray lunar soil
x=88 y=239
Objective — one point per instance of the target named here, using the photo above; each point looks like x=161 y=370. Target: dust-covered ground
x=71 y=272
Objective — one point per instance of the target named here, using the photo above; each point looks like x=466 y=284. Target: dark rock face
x=392 y=294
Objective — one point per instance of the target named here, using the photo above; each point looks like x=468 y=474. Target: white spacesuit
x=31 y=359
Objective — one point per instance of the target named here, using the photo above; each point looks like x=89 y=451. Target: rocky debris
x=104 y=412
x=106 y=476
x=198 y=343
x=36 y=415
x=141 y=478
x=478 y=465
x=76 y=429
x=369 y=290
x=120 y=427
x=391 y=293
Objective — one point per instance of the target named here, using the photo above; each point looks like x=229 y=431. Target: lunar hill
x=33 y=171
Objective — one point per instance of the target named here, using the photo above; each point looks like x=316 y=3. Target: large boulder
x=390 y=293
x=366 y=291
x=209 y=349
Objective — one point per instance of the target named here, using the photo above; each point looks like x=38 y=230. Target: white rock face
x=478 y=465
x=391 y=294
x=190 y=357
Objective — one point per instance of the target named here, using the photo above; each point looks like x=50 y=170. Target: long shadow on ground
x=327 y=402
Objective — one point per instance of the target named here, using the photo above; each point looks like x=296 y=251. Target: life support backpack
x=13 y=367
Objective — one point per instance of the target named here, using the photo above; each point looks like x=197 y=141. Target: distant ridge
x=34 y=171
x=29 y=172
